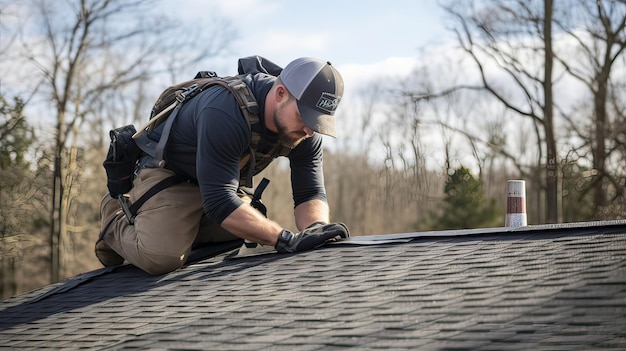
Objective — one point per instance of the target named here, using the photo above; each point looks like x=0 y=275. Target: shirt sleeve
x=222 y=139
x=307 y=174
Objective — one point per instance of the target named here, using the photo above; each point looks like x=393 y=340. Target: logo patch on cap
x=328 y=102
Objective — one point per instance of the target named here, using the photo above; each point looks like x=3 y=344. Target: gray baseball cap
x=317 y=87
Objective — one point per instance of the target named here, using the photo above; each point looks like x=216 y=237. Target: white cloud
x=245 y=8
x=392 y=66
x=239 y=11
x=278 y=46
x=357 y=76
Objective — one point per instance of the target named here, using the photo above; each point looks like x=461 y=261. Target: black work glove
x=315 y=235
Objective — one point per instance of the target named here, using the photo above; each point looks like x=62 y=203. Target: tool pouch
x=121 y=160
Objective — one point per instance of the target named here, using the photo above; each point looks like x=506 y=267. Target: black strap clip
x=125 y=203
x=256 y=197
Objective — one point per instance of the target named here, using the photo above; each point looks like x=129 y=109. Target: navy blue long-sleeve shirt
x=211 y=135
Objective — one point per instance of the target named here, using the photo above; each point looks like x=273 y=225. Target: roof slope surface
x=558 y=287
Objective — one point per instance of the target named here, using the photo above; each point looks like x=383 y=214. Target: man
x=208 y=146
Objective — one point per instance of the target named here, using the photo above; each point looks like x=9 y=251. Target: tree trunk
x=599 y=151
x=55 y=221
x=553 y=208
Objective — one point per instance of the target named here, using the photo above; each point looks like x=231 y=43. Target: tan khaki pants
x=166 y=226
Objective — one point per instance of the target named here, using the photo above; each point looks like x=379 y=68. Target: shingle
x=543 y=287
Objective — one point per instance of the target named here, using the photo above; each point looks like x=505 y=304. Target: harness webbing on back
x=184 y=92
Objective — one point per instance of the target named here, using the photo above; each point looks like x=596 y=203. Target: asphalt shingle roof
x=543 y=287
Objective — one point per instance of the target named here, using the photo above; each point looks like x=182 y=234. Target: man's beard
x=290 y=140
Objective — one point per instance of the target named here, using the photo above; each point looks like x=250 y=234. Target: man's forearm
x=248 y=223
x=310 y=212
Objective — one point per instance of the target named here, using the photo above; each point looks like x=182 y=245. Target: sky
x=356 y=36
x=347 y=32
x=366 y=40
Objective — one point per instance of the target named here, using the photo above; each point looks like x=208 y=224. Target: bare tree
x=15 y=138
x=350 y=180
x=502 y=38
x=598 y=31
x=87 y=53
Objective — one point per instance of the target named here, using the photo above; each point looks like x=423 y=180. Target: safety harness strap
x=130 y=210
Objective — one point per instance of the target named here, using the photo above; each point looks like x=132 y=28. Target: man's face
x=291 y=128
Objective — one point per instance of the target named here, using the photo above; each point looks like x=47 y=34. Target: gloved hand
x=315 y=235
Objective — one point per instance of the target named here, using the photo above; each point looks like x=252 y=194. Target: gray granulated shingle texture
x=555 y=287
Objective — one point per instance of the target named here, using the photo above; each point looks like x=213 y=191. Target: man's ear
x=281 y=93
